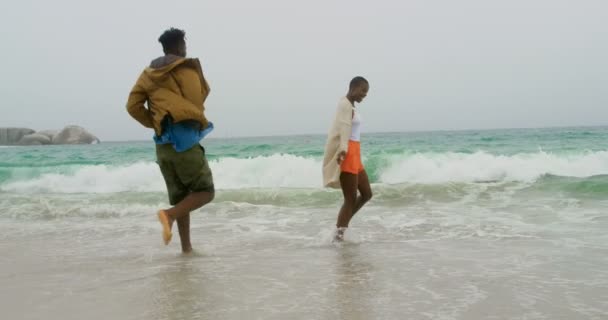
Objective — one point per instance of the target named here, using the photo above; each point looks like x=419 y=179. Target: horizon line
x=387 y=132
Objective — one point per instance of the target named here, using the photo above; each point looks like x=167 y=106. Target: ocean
x=496 y=224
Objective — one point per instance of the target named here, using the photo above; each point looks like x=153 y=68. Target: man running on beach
x=175 y=90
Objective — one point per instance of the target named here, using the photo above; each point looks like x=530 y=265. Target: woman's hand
x=341 y=157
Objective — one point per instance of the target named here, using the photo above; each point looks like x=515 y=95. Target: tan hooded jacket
x=172 y=86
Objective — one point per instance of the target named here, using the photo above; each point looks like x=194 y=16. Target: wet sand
x=288 y=269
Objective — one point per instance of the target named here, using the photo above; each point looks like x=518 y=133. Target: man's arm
x=205 y=89
x=205 y=86
x=136 y=106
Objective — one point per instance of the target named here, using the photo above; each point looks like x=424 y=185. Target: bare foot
x=167 y=223
x=339 y=236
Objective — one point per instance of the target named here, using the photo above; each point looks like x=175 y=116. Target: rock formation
x=29 y=137
x=11 y=136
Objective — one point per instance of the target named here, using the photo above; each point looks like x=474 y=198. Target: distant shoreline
x=211 y=137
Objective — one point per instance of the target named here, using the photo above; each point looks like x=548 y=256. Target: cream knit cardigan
x=337 y=141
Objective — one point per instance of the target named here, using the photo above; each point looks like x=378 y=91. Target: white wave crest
x=289 y=171
x=481 y=166
x=229 y=173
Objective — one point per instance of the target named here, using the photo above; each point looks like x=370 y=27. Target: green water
x=548 y=151
x=462 y=225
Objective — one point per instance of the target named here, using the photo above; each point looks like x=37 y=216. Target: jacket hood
x=160 y=66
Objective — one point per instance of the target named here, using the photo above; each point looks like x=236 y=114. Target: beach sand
x=248 y=268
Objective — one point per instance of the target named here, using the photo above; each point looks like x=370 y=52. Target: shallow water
x=267 y=262
x=480 y=225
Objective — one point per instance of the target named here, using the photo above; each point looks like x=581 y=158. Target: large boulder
x=74 y=135
x=11 y=136
x=34 y=139
x=48 y=133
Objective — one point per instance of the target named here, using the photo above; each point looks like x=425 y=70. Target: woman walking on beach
x=342 y=166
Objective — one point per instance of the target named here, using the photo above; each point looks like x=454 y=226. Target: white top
x=355 y=133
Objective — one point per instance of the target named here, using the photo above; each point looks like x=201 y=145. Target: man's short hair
x=172 y=38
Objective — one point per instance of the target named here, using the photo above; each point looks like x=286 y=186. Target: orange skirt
x=352 y=163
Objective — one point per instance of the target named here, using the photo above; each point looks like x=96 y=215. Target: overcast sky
x=279 y=67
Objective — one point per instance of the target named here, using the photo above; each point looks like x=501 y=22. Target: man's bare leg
x=192 y=202
x=183 y=226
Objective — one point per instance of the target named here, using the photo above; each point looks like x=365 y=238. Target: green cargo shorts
x=184 y=172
